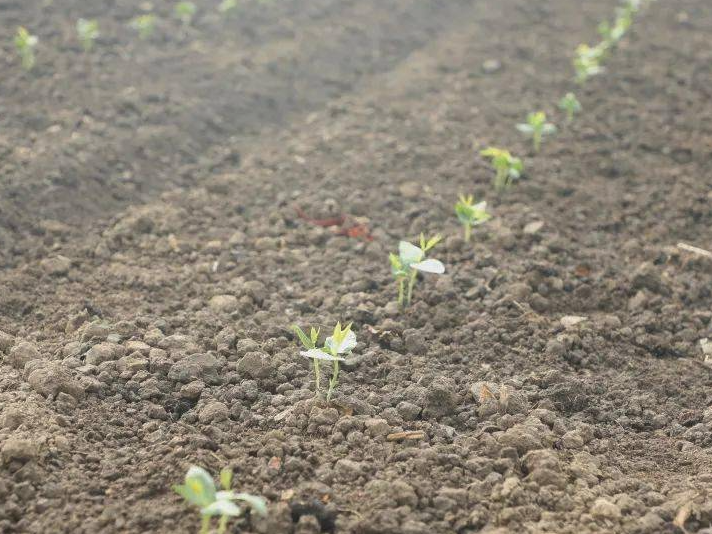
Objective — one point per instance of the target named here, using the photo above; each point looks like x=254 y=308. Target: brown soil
x=153 y=259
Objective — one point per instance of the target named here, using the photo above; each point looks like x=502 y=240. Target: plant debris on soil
x=556 y=379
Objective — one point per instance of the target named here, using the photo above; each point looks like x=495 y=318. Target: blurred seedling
x=570 y=105
x=226 y=6
x=25 y=43
x=340 y=343
x=471 y=214
x=507 y=167
x=199 y=490
x=536 y=127
x=634 y=5
x=612 y=33
x=88 y=33
x=411 y=260
x=185 y=12
x=587 y=61
x=145 y=25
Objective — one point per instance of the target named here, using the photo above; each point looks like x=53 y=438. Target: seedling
x=199 y=490
x=185 y=11
x=612 y=33
x=341 y=342
x=471 y=214
x=88 y=32
x=507 y=167
x=227 y=5
x=588 y=61
x=25 y=43
x=411 y=260
x=570 y=104
x=536 y=127
x=145 y=25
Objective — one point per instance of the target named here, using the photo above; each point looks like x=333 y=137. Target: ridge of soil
x=160 y=337
x=86 y=135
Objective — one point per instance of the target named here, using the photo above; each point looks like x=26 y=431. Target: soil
x=162 y=225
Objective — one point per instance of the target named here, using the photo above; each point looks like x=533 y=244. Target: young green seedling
x=144 y=25
x=587 y=61
x=25 y=43
x=309 y=343
x=633 y=5
x=411 y=260
x=471 y=214
x=227 y=5
x=341 y=342
x=536 y=127
x=570 y=104
x=612 y=33
x=199 y=490
x=185 y=11
x=88 y=32
x=506 y=166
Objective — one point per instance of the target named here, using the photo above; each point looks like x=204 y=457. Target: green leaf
x=306 y=341
x=397 y=268
x=409 y=253
x=187 y=493
x=222 y=508
x=464 y=213
x=492 y=152
x=525 y=129
x=314 y=334
x=318 y=354
x=258 y=504
x=429 y=266
x=200 y=486
x=480 y=214
x=432 y=242
x=345 y=344
x=226 y=478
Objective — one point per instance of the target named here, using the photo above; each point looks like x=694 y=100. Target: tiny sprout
x=25 y=43
x=506 y=166
x=605 y=30
x=570 y=104
x=611 y=34
x=471 y=214
x=588 y=61
x=341 y=342
x=199 y=490
x=144 y=25
x=185 y=11
x=536 y=127
x=88 y=32
x=409 y=261
x=227 y=5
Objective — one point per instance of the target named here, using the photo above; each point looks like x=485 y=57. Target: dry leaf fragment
x=569 y=321
x=173 y=243
x=486 y=394
x=695 y=250
x=683 y=514
x=504 y=396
